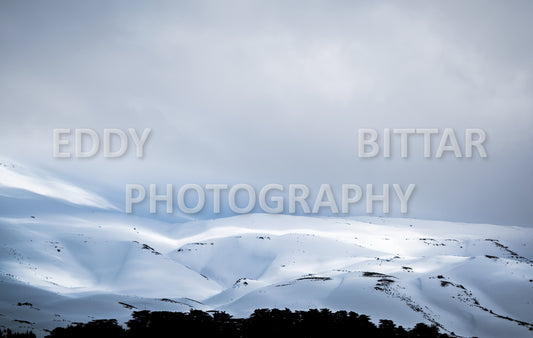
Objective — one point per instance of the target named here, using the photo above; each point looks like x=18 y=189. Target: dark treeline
x=262 y=323
x=8 y=334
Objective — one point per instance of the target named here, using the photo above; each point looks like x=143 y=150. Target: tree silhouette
x=261 y=323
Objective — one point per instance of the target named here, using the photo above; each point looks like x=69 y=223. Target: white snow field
x=66 y=259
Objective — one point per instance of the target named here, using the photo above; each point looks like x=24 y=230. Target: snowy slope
x=64 y=262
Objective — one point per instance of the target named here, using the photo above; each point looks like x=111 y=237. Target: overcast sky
x=274 y=92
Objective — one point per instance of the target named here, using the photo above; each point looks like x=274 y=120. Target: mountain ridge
x=68 y=263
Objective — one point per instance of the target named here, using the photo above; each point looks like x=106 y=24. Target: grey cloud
x=261 y=92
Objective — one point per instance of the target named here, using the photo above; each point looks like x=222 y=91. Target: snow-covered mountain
x=68 y=255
